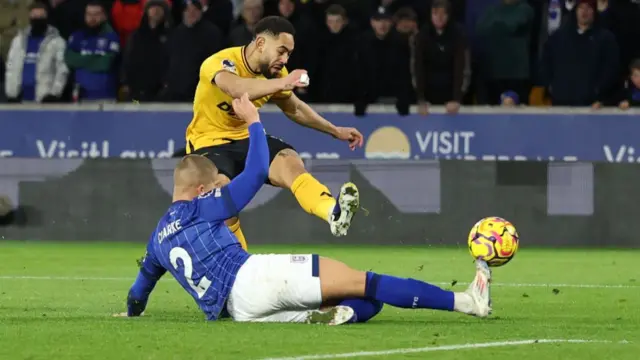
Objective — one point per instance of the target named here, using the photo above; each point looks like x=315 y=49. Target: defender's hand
x=125 y=315
x=352 y=135
x=245 y=109
x=292 y=80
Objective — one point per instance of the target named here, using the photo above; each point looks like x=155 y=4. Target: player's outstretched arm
x=148 y=276
x=244 y=187
x=236 y=86
x=298 y=111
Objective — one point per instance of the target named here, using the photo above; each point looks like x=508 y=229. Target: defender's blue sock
x=407 y=293
x=364 y=309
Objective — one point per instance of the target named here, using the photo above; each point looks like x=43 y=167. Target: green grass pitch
x=56 y=302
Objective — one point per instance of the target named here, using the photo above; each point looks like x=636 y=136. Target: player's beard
x=265 y=70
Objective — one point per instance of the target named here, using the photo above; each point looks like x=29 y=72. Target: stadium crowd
x=439 y=52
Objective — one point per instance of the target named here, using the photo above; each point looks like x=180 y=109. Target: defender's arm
x=228 y=201
x=148 y=276
x=298 y=111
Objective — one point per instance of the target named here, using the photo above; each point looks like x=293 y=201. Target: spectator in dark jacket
x=383 y=69
x=189 y=45
x=146 y=57
x=220 y=13
x=630 y=94
x=336 y=79
x=441 y=61
x=505 y=32
x=579 y=66
x=242 y=33
x=306 y=52
x=91 y=52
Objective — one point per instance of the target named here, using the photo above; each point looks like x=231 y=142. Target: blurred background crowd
x=402 y=52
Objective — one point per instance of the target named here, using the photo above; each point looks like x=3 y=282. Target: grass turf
x=56 y=301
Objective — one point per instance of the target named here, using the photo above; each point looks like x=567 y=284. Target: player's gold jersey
x=214 y=122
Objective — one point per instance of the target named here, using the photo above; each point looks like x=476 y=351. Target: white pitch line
x=539 y=285
x=443 y=348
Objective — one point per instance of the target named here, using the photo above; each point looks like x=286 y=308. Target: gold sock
x=237 y=231
x=312 y=196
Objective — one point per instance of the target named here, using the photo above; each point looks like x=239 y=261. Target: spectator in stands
x=126 y=16
x=146 y=56
x=336 y=79
x=509 y=99
x=36 y=70
x=305 y=54
x=68 y=16
x=630 y=95
x=579 y=64
x=383 y=69
x=622 y=18
x=441 y=61
x=91 y=52
x=220 y=13
x=242 y=33
x=406 y=21
x=189 y=45
x=505 y=32
x=14 y=16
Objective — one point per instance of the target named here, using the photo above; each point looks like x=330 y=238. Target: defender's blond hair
x=194 y=170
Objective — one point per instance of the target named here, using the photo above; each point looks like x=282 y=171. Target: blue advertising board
x=500 y=136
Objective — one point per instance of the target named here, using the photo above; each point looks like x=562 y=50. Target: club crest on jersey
x=229 y=65
x=298 y=259
x=215 y=192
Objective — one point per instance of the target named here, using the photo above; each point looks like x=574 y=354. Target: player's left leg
x=338 y=281
x=287 y=171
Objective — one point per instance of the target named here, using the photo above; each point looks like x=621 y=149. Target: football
x=494 y=240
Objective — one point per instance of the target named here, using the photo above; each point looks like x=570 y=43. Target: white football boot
x=480 y=290
x=349 y=203
x=337 y=315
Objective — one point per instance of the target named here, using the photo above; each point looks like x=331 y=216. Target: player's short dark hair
x=336 y=9
x=635 y=65
x=96 y=3
x=38 y=5
x=274 y=25
x=406 y=13
x=441 y=4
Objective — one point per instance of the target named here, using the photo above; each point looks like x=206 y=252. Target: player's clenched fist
x=296 y=79
x=245 y=109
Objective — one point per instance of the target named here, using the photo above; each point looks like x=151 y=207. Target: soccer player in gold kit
x=215 y=132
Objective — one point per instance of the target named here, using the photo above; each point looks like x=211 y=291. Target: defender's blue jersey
x=193 y=243
x=202 y=255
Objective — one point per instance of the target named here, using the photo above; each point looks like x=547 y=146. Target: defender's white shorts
x=276 y=288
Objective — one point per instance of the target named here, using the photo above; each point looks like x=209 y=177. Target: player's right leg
x=338 y=281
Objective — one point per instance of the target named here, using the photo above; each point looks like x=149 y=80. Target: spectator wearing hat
x=189 y=45
x=505 y=33
x=406 y=21
x=579 y=65
x=146 y=56
x=441 y=61
x=509 y=99
x=383 y=66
